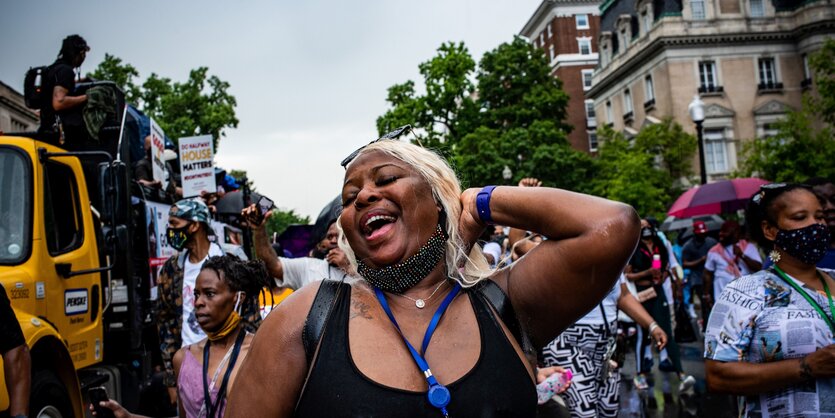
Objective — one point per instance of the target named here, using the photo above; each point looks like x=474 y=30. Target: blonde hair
x=466 y=269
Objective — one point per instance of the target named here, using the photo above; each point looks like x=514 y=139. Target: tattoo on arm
x=360 y=309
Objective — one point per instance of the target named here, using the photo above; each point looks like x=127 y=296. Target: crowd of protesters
x=423 y=299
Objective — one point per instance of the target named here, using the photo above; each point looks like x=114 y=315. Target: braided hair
x=241 y=276
x=763 y=207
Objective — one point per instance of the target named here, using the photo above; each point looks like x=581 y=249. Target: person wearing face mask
x=728 y=260
x=177 y=323
x=825 y=190
x=694 y=255
x=648 y=269
x=770 y=335
x=206 y=371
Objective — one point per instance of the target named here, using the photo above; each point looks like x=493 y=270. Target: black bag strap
x=320 y=312
x=498 y=299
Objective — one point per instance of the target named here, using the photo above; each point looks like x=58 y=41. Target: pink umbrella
x=724 y=196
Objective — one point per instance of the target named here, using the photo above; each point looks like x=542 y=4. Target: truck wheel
x=49 y=398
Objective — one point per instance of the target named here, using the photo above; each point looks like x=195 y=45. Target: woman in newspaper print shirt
x=769 y=337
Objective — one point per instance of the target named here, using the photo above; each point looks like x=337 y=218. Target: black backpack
x=33 y=93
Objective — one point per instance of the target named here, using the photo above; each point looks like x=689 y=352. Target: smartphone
x=264 y=205
x=96 y=395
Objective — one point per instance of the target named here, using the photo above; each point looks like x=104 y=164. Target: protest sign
x=196 y=165
x=157 y=148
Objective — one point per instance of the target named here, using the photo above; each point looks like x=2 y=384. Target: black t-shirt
x=11 y=336
x=692 y=251
x=59 y=74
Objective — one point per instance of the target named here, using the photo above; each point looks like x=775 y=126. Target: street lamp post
x=507 y=174
x=697 y=113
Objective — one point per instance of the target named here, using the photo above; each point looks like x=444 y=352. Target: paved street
x=697 y=404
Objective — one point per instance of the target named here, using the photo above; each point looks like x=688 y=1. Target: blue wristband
x=482 y=204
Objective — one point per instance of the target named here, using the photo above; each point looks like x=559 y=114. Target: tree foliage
x=201 y=105
x=803 y=146
x=282 y=218
x=643 y=172
x=512 y=116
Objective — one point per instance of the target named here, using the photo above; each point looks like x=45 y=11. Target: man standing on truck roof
x=62 y=122
x=16 y=360
x=188 y=233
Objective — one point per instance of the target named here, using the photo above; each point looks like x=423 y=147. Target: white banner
x=157 y=148
x=196 y=165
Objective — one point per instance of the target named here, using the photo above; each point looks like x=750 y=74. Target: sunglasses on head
x=397 y=133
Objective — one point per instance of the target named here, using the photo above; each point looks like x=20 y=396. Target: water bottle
x=656 y=261
x=554 y=384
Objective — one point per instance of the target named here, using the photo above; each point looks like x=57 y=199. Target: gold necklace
x=420 y=303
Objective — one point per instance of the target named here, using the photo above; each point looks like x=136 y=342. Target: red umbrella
x=714 y=198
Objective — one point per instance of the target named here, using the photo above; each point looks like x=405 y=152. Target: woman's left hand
x=469 y=225
x=660 y=337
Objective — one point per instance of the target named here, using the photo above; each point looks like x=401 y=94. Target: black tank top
x=498 y=386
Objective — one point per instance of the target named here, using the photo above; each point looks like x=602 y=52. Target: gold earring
x=774 y=255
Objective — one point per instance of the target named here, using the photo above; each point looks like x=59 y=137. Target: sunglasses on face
x=397 y=133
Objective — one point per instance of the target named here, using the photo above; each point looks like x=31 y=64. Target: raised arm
x=263 y=249
x=589 y=241
x=277 y=356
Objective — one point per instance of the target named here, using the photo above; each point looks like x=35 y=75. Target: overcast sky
x=310 y=77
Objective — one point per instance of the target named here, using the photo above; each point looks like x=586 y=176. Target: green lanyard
x=809 y=299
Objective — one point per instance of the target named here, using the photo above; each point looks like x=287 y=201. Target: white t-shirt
x=191 y=331
x=610 y=305
x=298 y=272
x=723 y=272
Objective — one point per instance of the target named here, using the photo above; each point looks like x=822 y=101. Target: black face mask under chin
x=402 y=276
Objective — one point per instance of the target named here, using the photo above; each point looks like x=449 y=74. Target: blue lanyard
x=438 y=394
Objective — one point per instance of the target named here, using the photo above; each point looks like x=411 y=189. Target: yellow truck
x=79 y=291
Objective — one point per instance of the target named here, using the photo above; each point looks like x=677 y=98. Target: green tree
x=282 y=218
x=440 y=116
x=201 y=105
x=112 y=69
x=514 y=116
x=803 y=146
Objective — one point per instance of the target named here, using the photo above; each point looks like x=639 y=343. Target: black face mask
x=178 y=237
x=647 y=233
x=807 y=244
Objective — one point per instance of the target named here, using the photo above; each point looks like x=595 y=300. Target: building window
x=590 y=109
x=757 y=8
x=585 y=45
x=627 y=104
x=708 y=80
x=592 y=141
x=646 y=19
x=624 y=39
x=551 y=52
x=541 y=39
x=768 y=75
x=587 y=79
x=548 y=28
x=649 y=89
x=609 y=117
x=768 y=130
x=697 y=9
x=807 y=73
x=716 y=160
x=582 y=21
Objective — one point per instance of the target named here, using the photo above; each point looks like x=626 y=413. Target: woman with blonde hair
x=427 y=298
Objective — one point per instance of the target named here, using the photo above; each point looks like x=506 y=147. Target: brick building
x=567 y=31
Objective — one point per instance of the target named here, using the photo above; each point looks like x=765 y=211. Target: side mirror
x=113 y=191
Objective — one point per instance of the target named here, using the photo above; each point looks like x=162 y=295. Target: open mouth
x=377 y=225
